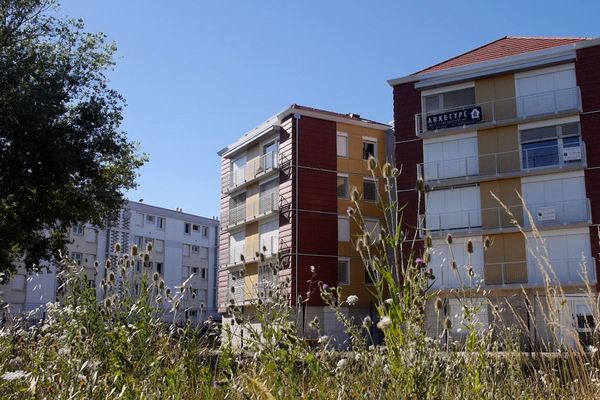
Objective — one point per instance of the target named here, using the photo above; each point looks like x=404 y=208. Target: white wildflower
x=323 y=339
x=343 y=363
x=14 y=375
x=352 y=299
x=384 y=323
x=389 y=301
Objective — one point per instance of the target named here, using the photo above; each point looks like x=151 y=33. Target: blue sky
x=199 y=74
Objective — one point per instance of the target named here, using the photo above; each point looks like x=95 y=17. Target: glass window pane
x=459 y=98
x=540 y=154
x=368 y=150
x=369 y=190
x=342 y=187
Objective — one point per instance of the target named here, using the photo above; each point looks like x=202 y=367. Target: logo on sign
x=466 y=116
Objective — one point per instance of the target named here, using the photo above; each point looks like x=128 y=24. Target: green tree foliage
x=63 y=158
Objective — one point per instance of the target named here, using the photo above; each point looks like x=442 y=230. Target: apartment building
x=285 y=192
x=514 y=120
x=183 y=245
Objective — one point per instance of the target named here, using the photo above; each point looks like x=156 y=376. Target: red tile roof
x=503 y=47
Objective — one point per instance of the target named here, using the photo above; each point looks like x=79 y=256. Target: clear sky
x=199 y=74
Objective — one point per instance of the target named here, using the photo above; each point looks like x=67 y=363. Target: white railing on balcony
x=268 y=202
x=497 y=164
x=235 y=253
x=237 y=214
x=543 y=215
x=269 y=245
x=447 y=278
x=563 y=271
x=253 y=169
x=514 y=108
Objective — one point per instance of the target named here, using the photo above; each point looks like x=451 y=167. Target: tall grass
x=121 y=346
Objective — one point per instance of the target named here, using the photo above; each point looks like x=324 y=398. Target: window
x=455 y=208
x=369 y=189
x=343 y=229
x=205 y=231
x=194 y=292
x=136 y=289
x=138 y=241
x=91 y=235
x=187 y=227
x=159 y=245
x=77 y=257
x=196 y=228
x=159 y=267
x=369 y=149
x=373 y=227
x=203 y=273
x=342 y=144
x=194 y=270
x=456 y=157
x=370 y=274
x=551 y=146
x=77 y=230
x=270 y=152
x=343 y=271
x=17 y=282
x=151 y=219
x=342 y=186
x=186 y=250
x=545 y=91
x=195 y=249
x=204 y=252
x=160 y=223
x=139 y=219
x=238 y=168
x=447 y=101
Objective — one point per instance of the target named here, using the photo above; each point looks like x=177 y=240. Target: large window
x=451 y=158
x=546 y=91
x=456 y=208
x=551 y=146
x=447 y=101
x=342 y=144
x=342 y=186
x=343 y=271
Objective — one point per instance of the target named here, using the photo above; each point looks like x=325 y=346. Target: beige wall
x=492 y=214
x=498 y=150
x=506 y=256
x=496 y=96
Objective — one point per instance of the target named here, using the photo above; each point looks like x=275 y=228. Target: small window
x=196 y=228
x=342 y=144
x=160 y=223
x=186 y=250
x=139 y=219
x=187 y=227
x=138 y=241
x=194 y=270
x=369 y=274
x=369 y=189
x=138 y=266
x=203 y=273
x=77 y=230
x=343 y=271
x=151 y=219
x=77 y=257
x=192 y=313
x=369 y=149
x=342 y=187
x=195 y=249
x=204 y=252
x=205 y=231
x=343 y=229
x=136 y=289
x=159 y=245
x=159 y=267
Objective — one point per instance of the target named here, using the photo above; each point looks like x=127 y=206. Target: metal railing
x=543 y=215
x=563 y=271
x=236 y=214
x=267 y=203
x=269 y=245
x=254 y=168
x=514 y=108
x=236 y=253
x=497 y=164
x=447 y=278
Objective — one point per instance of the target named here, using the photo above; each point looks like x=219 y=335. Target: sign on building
x=572 y=153
x=546 y=214
x=466 y=116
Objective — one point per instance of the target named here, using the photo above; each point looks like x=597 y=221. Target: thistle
x=449 y=239
x=447 y=324
x=386 y=171
x=134 y=250
x=439 y=304
x=372 y=163
x=469 y=246
x=117 y=247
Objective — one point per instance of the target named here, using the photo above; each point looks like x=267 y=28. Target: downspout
x=297 y=139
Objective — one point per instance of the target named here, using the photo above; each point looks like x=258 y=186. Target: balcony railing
x=253 y=169
x=269 y=245
x=267 y=204
x=503 y=163
x=563 y=271
x=236 y=253
x=496 y=218
x=236 y=289
x=446 y=278
x=513 y=108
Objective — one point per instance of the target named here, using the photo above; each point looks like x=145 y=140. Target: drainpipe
x=297 y=138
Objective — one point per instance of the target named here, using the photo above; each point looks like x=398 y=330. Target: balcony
x=252 y=210
x=495 y=219
x=254 y=169
x=236 y=254
x=504 y=164
x=501 y=112
x=514 y=274
x=236 y=289
x=269 y=246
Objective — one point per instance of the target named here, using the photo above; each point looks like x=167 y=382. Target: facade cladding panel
x=587 y=69
x=317 y=203
x=409 y=152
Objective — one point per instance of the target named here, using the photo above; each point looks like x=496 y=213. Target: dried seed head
x=161 y=284
x=471 y=271
x=395 y=172
x=360 y=244
x=420 y=186
x=134 y=250
x=149 y=247
x=155 y=277
x=177 y=304
x=427 y=257
x=107 y=264
x=350 y=211
x=487 y=243
x=354 y=195
x=428 y=242
x=367 y=322
x=469 y=246
x=117 y=247
x=439 y=304
x=386 y=171
x=454 y=265
x=447 y=324
x=82 y=331
x=372 y=164
x=107 y=302
x=146 y=257
x=449 y=239
x=111 y=277
x=96 y=264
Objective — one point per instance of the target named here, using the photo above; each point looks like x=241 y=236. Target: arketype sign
x=467 y=116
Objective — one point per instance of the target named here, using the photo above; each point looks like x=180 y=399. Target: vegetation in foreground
x=119 y=347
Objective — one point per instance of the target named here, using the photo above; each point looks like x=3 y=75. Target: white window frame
x=370 y=140
x=345 y=260
x=151 y=219
x=343 y=136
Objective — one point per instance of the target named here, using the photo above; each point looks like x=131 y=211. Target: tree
x=63 y=158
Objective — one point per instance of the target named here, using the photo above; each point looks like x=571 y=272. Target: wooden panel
x=498 y=150
x=492 y=214
x=496 y=96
